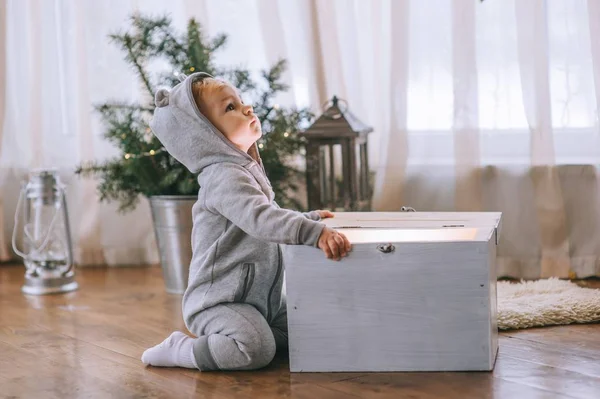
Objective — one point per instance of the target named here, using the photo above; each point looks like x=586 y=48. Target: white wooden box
x=417 y=293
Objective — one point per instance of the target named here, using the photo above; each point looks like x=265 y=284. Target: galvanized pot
x=172 y=216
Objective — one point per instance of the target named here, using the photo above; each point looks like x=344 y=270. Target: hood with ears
x=188 y=135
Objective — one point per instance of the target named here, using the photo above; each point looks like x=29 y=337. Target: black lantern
x=350 y=189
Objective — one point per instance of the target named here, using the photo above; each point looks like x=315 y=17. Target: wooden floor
x=88 y=344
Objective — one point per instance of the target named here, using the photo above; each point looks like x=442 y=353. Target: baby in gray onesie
x=233 y=303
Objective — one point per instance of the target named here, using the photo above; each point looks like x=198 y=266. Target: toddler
x=234 y=303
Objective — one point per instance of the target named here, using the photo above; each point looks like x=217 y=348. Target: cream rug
x=545 y=303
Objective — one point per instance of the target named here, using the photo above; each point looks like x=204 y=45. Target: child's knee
x=261 y=352
x=249 y=349
x=233 y=337
x=256 y=342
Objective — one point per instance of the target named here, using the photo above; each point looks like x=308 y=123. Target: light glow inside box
x=358 y=235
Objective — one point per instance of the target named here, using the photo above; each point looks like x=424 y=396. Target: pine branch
x=138 y=67
x=171 y=46
x=274 y=76
x=196 y=51
x=218 y=42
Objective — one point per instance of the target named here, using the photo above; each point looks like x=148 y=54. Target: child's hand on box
x=325 y=214
x=334 y=244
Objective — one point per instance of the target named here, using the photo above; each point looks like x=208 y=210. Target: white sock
x=175 y=351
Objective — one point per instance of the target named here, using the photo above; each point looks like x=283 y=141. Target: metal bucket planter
x=172 y=216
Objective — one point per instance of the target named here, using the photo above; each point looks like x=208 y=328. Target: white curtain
x=475 y=106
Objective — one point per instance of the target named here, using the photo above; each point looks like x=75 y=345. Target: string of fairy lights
x=150 y=153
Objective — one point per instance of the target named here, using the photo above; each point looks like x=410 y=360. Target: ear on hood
x=161 y=98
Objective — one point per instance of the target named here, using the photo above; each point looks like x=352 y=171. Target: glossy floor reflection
x=87 y=344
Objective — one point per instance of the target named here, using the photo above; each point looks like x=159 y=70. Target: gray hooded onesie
x=233 y=302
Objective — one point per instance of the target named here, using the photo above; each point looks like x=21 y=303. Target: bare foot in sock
x=175 y=351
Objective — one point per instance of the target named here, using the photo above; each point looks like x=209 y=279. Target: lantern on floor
x=337 y=131
x=42 y=221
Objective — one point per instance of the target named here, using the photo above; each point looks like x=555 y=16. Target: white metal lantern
x=43 y=222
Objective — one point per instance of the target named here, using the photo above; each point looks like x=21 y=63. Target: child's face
x=224 y=108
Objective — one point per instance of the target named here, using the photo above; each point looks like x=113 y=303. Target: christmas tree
x=144 y=167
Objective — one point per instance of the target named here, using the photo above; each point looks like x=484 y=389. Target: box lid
x=401 y=235
x=435 y=222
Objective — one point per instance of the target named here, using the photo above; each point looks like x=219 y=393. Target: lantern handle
x=334 y=102
x=16 y=224
x=67 y=231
